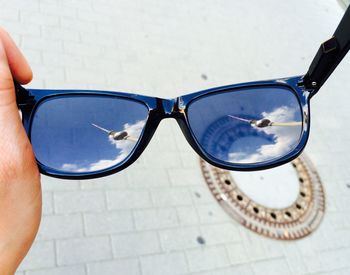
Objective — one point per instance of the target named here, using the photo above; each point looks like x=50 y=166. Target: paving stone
x=140 y=243
x=79 y=49
x=127 y=199
x=54 y=184
x=294 y=259
x=108 y=222
x=238 y=269
x=254 y=246
x=222 y=233
x=237 y=253
x=273 y=266
x=69 y=270
x=180 y=238
x=34 y=56
x=115 y=181
x=217 y=255
x=59 y=33
x=76 y=251
x=201 y=195
x=342 y=271
x=171 y=197
x=82 y=201
x=334 y=259
x=60 y=227
x=53 y=8
x=78 y=25
x=87 y=75
x=186 y=177
x=159 y=264
x=128 y=266
x=9 y=14
x=62 y=60
x=47 y=199
x=40 y=255
x=143 y=178
x=41 y=44
x=187 y=215
x=22 y=29
x=155 y=218
x=212 y=213
x=39 y=18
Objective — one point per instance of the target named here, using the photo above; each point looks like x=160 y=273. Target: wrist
x=9 y=258
x=18 y=228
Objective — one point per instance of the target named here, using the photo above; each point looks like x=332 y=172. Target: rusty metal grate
x=293 y=222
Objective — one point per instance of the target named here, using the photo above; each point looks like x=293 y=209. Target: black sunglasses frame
x=158 y=109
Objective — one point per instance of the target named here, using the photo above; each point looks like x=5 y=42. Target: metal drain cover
x=284 y=203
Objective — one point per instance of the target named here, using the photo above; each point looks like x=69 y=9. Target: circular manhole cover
x=284 y=203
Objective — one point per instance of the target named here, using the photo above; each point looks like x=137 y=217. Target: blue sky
x=236 y=141
x=63 y=137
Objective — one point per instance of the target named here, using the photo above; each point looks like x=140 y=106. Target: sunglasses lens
x=86 y=133
x=247 y=126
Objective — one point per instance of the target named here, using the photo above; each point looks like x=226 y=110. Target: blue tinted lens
x=83 y=133
x=247 y=126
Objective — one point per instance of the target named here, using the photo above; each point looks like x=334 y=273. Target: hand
x=20 y=190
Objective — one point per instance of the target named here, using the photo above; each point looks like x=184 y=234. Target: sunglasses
x=81 y=134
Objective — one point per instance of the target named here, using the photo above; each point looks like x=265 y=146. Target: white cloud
x=69 y=167
x=124 y=147
x=285 y=138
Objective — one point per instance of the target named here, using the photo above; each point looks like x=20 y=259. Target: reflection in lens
x=247 y=126
x=86 y=133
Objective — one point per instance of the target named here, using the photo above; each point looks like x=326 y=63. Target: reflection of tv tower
x=265 y=122
x=123 y=135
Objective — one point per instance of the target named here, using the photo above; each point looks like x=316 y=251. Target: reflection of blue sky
x=63 y=137
x=284 y=138
x=236 y=141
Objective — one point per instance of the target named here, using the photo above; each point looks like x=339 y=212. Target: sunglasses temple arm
x=24 y=98
x=21 y=93
x=329 y=55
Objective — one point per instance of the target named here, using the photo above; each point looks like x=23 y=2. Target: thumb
x=7 y=94
x=13 y=136
x=12 y=64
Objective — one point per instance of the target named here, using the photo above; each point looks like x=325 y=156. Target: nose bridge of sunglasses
x=169 y=107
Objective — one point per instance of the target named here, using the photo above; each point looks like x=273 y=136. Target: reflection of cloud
x=124 y=147
x=69 y=167
x=285 y=138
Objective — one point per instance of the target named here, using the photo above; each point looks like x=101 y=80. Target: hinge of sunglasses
x=311 y=87
x=311 y=91
x=321 y=66
x=23 y=98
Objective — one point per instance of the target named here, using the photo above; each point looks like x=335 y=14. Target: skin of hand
x=20 y=188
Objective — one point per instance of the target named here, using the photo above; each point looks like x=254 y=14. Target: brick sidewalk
x=146 y=220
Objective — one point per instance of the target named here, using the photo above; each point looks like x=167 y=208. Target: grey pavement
x=146 y=219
